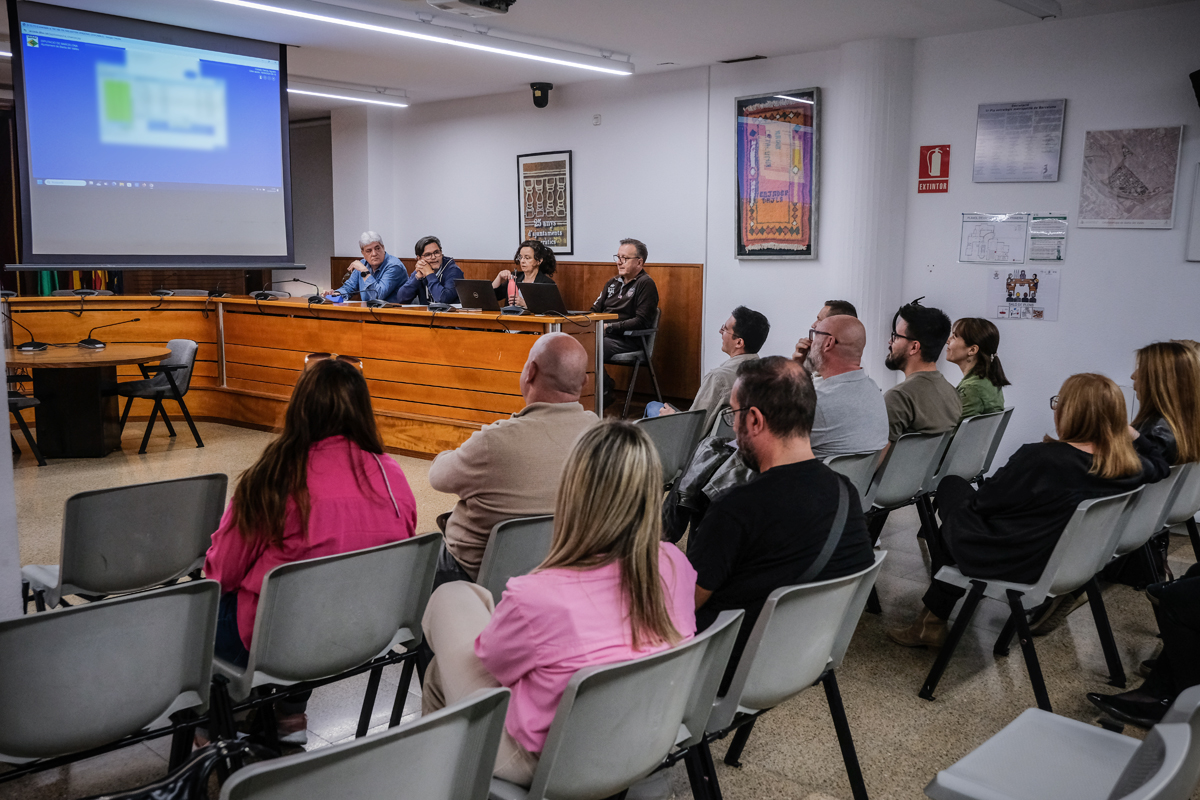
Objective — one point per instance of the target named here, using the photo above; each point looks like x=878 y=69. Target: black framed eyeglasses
x=814 y=332
x=622 y=259
x=728 y=415
x=896 y=336
x=434 y=254
x=1054 y=402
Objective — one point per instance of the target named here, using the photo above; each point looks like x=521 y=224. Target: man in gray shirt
x=851 y=416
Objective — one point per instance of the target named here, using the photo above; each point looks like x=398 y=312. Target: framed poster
x=777 y=173
x=1017 y=142
x=1129 y=178
x=544 y=189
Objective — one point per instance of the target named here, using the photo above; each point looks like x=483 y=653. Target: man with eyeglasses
x=924 y=402
x=832 y=308
x=633 y=297
x=433 y=277
x=851 y=416
x=377 y=276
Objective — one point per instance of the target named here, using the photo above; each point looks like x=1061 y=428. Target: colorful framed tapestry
x=777 y=173
x=544 y=186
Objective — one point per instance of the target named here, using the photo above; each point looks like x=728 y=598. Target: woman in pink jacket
x=609 y=591
x=323 y=487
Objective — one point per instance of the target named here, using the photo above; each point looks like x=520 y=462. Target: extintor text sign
x=934 y=173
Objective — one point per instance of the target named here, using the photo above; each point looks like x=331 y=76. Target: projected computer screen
x=140 y=146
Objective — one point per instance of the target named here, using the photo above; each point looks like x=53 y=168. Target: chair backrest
x=987 y=464
x=652 y=338
x=616 y=723
x=135 y=537
x=514 y=548
x=1085 y=545
x=722 y=429
x=859 y=468
x=81 y=677
x=907 y=469
x=1187 y=502
x=1166 y=766
x=447 y=755
x=183 y=351
x=798 y=633
x=1147 y=513
x=968 y=450
x=721 y=635
x=675 y=437
x=323 y=616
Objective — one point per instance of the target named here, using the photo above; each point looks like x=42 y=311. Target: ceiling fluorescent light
x=1042 y=9
x=338 y=93
x=378 y=23
x=5 y=54
x=794 y=99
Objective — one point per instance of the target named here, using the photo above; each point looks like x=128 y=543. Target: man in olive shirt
x=924 y=402
x=633 y=297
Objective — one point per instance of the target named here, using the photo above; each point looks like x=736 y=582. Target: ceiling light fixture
x=794 y=99
x=342 y=94
x=350 y=18
x=1042 y=9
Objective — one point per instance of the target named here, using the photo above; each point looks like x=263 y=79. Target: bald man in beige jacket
x=511 y=468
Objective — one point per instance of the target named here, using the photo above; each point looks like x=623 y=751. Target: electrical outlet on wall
x=930 y=267
x=595 y=119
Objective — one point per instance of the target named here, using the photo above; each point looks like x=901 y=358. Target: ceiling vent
x=473 y=8
x=740 y=60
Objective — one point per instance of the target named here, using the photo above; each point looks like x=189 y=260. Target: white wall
x=1121 y=289
x=312 y=204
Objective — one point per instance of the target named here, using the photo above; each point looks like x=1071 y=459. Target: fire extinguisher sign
x=933 y=176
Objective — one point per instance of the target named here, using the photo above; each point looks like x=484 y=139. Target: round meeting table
x=76 y=387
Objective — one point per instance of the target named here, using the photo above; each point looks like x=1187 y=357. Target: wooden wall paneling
x=279 y=330
x=143 y=281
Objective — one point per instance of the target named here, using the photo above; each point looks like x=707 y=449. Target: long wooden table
x=434 y=378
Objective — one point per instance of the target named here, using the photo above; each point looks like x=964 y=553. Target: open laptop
x=544 y=298
x=476 y=294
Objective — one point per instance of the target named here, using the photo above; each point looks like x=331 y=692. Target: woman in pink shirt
x=609 y=591
x=323 y=487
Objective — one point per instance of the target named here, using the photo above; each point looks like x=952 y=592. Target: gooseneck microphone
x=33 y=345
x=96 y=344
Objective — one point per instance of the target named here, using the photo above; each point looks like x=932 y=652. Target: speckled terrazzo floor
x=902 y=741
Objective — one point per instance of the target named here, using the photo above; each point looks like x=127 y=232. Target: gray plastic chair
x=174 y=376
x=906 y=470
x=968 y=451
x=1149 y=510
x=17 y=403
x=514 y=548
x=1041 y=755
x=1187 y=505
x=1000 y=429
x=637 y=358
x=720 y=428
x=89 y=676
x=1084 y=548
x=130 y=538
x=447 y=755
x=859 y=468
x=675 y=437
x=615 y=724
x=798 y=641
x=321 y=617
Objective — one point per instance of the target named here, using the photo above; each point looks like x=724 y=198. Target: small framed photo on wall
x=777 y=173
x=544 y=191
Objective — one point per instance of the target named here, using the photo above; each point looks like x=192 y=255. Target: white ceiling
x=656 y=35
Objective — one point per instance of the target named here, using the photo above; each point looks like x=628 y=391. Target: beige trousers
x=457 y=613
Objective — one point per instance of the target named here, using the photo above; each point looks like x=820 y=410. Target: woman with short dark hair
x=535 y=264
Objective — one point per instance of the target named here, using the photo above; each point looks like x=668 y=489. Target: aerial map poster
x=544 y=192
x=1129 y=178
x=777 y=174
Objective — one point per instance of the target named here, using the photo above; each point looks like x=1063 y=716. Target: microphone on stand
x=96 y=344
x=313 y=299
x=265 y=295
x=33 y=345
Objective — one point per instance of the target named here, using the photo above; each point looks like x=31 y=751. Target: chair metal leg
x=710 y=769
x=16 y=448
x=406 y=673
x=368 y=707
x=39 y=599
x=25 y=597
x=629 y=391
x=1194 y=535
x=1116 y=673
x=697 y=778
x=29 y=438
x=1031 y=659
x=188 y=417
x=733 y=756
x=150 y=426
x=181 y=740
x=1004 y=640
x=873 y=606
x=858 y=786
x=654 y=380
x=167 y=421
x=125 y=413
x=956 y=633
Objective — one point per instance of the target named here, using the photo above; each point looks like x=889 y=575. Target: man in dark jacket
x=633 y=297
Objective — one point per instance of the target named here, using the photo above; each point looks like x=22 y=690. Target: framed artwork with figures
x=544 y=192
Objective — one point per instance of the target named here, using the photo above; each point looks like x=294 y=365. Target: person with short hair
x=433 y=277
x=832 y=308
x=742 y=336
x=762 y=535
x=924 y=402
x=609 y=590
x=378 y=276
x=1007 y=529
x=324 y=486
x=1167 y=384
x=851 y=416
x=511 y=468
x=972 y=348
x=633 y=296
x=535 y=263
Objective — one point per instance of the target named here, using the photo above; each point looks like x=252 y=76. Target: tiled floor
x=902 y=741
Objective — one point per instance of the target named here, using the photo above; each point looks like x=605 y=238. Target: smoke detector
x=473 y=8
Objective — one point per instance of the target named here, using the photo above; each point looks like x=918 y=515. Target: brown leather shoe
x=925 y=631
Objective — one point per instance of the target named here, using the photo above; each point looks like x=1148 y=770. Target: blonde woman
x=608 y=591
x=1167 y=383
x=1007 y=529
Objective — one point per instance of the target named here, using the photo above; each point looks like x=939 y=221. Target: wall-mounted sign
x=933 y=176
x=1018 y=141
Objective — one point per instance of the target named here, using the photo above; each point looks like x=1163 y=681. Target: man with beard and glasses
x=851 y=416
x=924 y=402
x=765 y=534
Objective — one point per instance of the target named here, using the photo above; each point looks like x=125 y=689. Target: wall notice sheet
x=1023 y=293
x=1018 y=141
x=993 y=238
x=1047 y=237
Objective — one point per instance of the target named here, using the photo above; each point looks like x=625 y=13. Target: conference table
x=77 y=415
x=434 y=378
